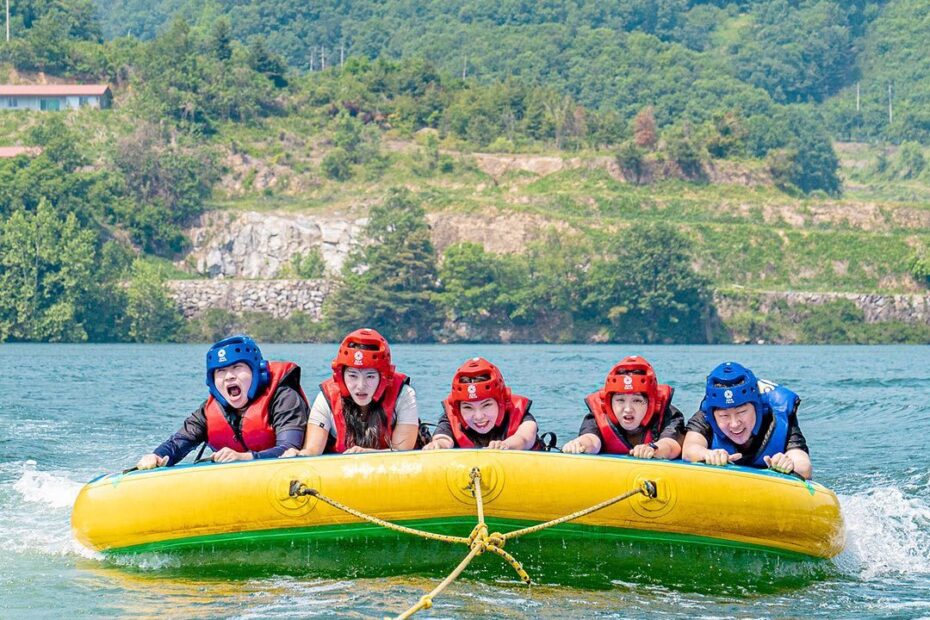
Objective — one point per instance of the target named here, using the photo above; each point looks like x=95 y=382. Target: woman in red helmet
x=481 y=412
x=366 y=405
x=632 y=415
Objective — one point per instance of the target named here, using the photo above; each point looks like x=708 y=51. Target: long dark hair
x=366 y=430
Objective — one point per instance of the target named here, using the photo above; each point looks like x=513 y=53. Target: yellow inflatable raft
x=241 y=503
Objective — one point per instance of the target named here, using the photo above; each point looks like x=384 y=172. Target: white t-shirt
x=405 y=411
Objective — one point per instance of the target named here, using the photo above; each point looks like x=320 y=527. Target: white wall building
x=51 y=97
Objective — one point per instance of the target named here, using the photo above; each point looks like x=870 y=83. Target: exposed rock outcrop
x=257 y=245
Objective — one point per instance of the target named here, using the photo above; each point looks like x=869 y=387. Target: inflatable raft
x=240 y=504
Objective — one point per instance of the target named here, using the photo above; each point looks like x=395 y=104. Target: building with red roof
x=51 y=97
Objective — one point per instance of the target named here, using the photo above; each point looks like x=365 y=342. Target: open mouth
x=233 y=390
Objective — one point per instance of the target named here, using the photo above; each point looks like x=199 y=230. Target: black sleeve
x=796 y=439
x=191 y=434
x=589 y=425
x=443 y=427
x=698 y=424
x=288 y=418
x=673 y=424
x=289 y=410
x=529 y=417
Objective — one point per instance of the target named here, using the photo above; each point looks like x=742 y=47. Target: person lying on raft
x=632 y=414
x=749 y=422
x=256 y=409
x=481 y=412
x=365 y=406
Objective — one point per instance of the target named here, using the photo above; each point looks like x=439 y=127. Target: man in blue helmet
x=256 y=409
x=749 y=422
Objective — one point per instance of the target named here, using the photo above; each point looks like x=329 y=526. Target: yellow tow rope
x=479 y=540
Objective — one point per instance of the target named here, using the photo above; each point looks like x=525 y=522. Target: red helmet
x=633 y=375
x=464 y=389
x=364 y=348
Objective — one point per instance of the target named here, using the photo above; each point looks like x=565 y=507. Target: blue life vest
x=781 y=402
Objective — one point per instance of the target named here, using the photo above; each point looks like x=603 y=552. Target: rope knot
x=480 y=532
x=496 y=540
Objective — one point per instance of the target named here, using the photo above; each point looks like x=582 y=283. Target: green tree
x=47 y=276
x=390 y=283
x=307 y=266
x=648 y=291
x=631 y=160
x=221 y=40
x=470 y=286
x=337 y=165
x=152 y=314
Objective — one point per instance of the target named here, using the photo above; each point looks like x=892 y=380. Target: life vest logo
x=472 y=391
x=728 y=395
x=221 y=355
x=358 y=358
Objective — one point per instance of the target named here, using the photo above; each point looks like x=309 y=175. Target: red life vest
x=388 y=402
x=256 y=433
x=613 y=438
x=516 y=411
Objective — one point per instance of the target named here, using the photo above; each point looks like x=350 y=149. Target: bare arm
x=695 y=450
x=404 y=436
x=314 y=441
x=524 y=438
x=694 y=447
x=589 y=443
x=795 y=460
x=802 y=463
x=440 y=442
x=668 y=448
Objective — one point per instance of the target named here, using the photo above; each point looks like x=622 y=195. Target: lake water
x=71 y=412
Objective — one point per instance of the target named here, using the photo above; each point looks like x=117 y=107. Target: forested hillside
x=683 y=56
x=695 y=136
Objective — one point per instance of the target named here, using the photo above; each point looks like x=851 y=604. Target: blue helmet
x=731 y=385
x=231 y=351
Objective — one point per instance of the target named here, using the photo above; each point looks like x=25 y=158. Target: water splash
x=36 y=516
x=44 y=488
x=887 y=533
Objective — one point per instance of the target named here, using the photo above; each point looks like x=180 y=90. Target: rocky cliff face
x=257 y=245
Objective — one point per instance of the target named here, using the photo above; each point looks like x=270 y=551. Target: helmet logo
x=627 y=381
x=728 y=394
x=221 y=355
x=358 y=358
x=472 y=391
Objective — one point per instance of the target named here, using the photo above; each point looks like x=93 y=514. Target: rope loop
x=479 y=540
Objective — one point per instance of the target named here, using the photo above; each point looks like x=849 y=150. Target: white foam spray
x=887 y=533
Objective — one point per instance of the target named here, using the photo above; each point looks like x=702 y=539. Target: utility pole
x=342 y=54
x=312 y=49
x=464 y=66
x=7 y=21
x=322 y=58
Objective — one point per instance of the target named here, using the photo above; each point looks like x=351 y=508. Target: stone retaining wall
x=877 y=308
x=280 y=298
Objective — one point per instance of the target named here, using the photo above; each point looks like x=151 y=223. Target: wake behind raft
x=350 y=497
